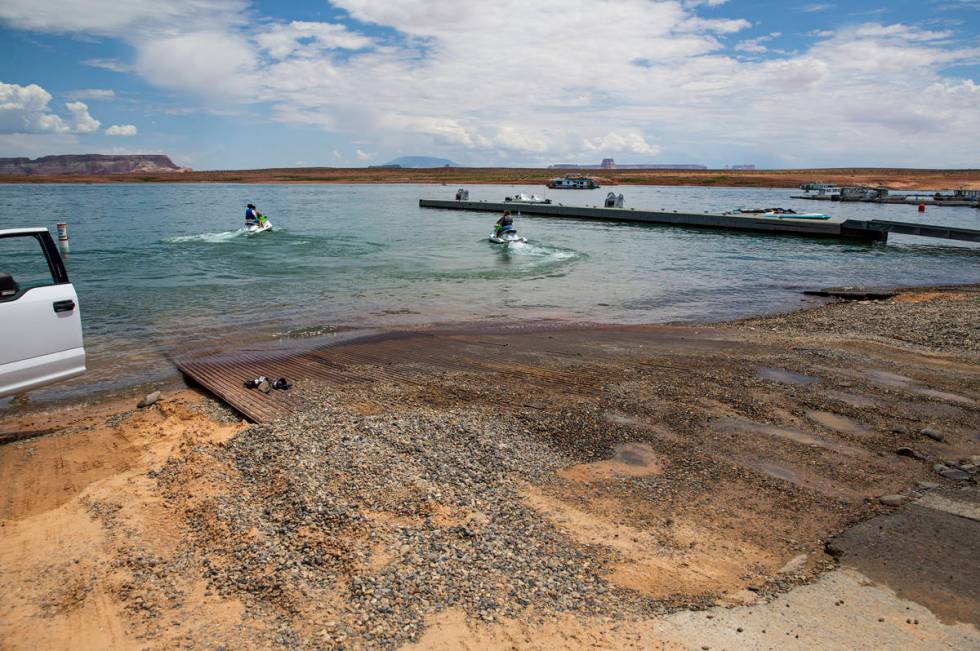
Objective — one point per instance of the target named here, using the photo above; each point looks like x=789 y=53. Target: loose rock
x=148 y=400
x=950 y=473
x=934 y=434
x=909 y=452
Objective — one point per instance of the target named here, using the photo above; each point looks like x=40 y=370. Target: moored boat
x=572 y=182
x=522 y=197
x=780 y=213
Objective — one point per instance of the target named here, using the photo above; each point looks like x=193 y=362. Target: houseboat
x=572 y=182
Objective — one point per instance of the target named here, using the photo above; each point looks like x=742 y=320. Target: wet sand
x=654 y=487
x=888 y=177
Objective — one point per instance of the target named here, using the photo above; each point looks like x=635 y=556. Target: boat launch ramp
x=874 y=230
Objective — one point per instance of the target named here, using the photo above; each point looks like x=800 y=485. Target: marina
x=871 y=230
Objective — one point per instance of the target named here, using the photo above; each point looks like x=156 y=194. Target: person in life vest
x=253 y=217
x=505 y=223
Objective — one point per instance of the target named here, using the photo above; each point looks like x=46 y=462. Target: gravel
x=396 y=517
x=948 y=323
x=216 y=411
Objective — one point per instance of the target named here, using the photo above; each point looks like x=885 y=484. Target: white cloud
x=755 y=45
x=621 y=142
x=24 y=109
x=120 y=19
x=363 y=155
x=108 y=64
x=121 y=130
x=82 y=122
x=308 y=39
x=203 y=62
x=92 y=94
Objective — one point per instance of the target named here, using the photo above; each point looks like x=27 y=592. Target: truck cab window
x=23 y=265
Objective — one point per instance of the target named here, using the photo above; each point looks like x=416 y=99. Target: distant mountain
x=421 y=161
x=84 y=164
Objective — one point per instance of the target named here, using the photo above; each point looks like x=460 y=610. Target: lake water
x=164 y=268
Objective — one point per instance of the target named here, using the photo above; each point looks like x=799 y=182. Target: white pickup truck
x=40 y=325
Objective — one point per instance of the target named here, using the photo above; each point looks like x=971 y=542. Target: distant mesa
x=417 y=162
x=89 y=164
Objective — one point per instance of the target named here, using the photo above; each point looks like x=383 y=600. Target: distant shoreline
x=922 y=179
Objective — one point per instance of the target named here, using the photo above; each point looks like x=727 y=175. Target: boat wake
x=540 y=252
x=211 y=238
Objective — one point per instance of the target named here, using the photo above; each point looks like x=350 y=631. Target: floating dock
x=745 y=223
x=875 y=230
x=922 y=230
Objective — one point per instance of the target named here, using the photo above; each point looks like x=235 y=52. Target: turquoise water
x=165 y=268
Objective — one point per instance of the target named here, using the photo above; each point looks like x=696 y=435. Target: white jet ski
x=259 y=227
x=507 y=236
x=521 y=197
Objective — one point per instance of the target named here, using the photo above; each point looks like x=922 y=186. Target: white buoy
x=63 y=237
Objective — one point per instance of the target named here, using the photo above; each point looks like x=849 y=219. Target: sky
x=235 y=84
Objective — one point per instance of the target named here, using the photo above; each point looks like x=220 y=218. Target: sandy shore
x=891 y=178
x=651 y=487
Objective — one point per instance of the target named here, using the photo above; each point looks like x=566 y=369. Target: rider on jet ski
x=505 y=223
x=253 y=217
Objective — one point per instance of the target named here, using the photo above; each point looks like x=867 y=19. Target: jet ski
x=507 y=235
x=796 y=215
x=779 y=213
x=258 y=227
x=521 y=197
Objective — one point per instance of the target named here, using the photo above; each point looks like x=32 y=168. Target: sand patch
x=628 y=460
x=922 y=297
x=87 y=541
x=835 y=422
x=682 y=559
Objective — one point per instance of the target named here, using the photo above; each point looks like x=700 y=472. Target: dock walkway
x=867 y=230
x=922 y=230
